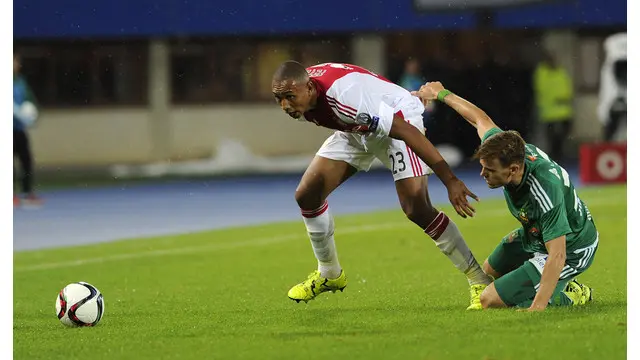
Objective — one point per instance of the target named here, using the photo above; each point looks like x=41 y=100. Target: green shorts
x=521 y=270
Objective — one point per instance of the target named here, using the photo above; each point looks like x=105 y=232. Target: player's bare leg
x=414 y=199
x=320 y=179
x=489 y=270
x=491 y=299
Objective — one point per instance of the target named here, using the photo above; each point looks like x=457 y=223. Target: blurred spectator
x=553 y=88
x=412 y=79
x=24 y=115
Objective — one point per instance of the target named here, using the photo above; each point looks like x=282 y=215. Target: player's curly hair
x=506 y=146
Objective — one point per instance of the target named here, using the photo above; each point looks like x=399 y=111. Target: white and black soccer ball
x=80 y=304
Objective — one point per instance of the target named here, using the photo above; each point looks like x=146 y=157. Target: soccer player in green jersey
x=536 y=265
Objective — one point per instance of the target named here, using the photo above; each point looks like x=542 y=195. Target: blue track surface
x=82 y=216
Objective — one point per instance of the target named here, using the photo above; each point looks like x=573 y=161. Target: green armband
x=442 y=94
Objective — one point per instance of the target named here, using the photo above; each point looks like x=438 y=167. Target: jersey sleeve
x=490 y=133
x=364 y=107
x=548 y=197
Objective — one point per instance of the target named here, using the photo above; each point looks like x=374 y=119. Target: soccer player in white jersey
x=373 y=118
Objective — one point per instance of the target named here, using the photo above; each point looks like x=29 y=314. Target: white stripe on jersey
x=542 y=192
x=537 y=196
x=567 y=273
x=588 y=212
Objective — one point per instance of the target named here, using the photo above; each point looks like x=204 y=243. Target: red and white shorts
x=360 y=151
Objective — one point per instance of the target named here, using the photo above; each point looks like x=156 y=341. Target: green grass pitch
x=222 y=295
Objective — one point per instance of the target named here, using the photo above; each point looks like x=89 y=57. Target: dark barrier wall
x=143 y=18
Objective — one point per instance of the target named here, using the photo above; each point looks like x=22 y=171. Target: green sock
x=561 y=299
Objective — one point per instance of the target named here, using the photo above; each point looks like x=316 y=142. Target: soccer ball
x=79 y=304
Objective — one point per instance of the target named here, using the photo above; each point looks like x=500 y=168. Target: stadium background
x=125 y=83
x=135 y=90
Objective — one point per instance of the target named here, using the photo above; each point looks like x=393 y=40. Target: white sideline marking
x=256 y=242
x=204 y=248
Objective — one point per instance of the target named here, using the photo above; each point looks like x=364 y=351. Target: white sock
x=320 y=228
x=449 y=240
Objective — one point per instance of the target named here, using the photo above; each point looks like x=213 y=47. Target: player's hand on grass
x=428 y=92
x=458 y=193
x=533 y=308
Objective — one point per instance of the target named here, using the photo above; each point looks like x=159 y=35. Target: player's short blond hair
x=506 y=146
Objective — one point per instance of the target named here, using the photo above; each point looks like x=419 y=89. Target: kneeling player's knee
x=490 y=298
x=485 y=299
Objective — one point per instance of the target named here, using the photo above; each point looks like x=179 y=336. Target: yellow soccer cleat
x=580 y=294
x=316 y=285
x=587 y=294
x=476 y=291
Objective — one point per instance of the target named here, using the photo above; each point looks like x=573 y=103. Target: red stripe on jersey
x=341 y=111
x=341 y=107
x=347 y=115
x=346 y=108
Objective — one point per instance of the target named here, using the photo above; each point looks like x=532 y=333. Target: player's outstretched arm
x=425 y=150
x=474 y=115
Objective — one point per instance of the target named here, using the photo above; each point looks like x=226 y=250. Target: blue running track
x=83 y=216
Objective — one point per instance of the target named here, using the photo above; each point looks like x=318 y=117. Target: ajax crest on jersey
x=80 y=304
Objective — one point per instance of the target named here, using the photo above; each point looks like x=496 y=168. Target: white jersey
x=348 y=91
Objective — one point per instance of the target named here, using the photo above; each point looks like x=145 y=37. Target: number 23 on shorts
x=397 y=162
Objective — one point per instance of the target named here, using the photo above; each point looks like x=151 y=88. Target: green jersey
x=548 y=206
